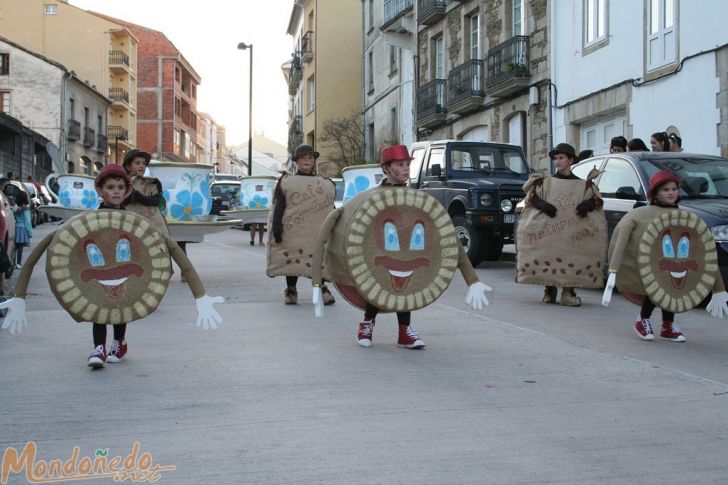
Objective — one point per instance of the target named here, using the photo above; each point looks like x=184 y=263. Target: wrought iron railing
x=307 y=45
x=395 y=8
x=465 y=80
x=431 y=98
x=119 y=132
x=297 y=125
x=89 y=136
x=426 y=7
x=74 y=130
x=119 y=94
x=118 y=57
x=508 y=60
x=102 y=142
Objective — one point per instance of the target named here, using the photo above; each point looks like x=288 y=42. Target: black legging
x=291 y=281
x=648 y=307
x=100 y=333
x=19 y=254
x=403 y=318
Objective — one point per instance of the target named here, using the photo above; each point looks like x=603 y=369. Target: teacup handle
x=48 y=185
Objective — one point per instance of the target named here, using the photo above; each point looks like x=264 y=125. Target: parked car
x=224 y=177
x=704 y=190
x=479 y=184
x=35 y=203
x=225 y=195
x=8 y=234
x=339 y=197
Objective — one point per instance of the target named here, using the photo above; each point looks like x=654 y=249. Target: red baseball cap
x=659 y=179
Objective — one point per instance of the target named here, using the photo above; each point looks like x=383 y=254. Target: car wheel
x=470 y=239
x=493 y=250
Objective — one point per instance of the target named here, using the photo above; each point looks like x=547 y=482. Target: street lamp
x=121 y=137
x=243 y=46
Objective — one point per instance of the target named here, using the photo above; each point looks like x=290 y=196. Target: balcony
x=119 y=60
x=307 y=47
x=119 y=95
x=74 y=130
x=465 y=87
x=430 y=11
x=431 y=103
x=102 y=143
x=89 y=136
x=508 y=67
x=114 y=131
x=295 y=75
x=394 y=10
x=297 y=125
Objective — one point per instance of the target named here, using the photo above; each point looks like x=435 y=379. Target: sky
x=207 y=33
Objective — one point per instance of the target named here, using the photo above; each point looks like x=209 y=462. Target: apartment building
x=100 y=52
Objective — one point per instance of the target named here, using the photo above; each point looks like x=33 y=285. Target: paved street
x=520 y=393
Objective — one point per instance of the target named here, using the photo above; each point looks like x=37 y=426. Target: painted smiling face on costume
x=677 y=260
x=408 y=249
x=108 y=267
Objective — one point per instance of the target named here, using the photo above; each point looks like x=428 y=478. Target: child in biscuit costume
x=301 y=202
x=109 y=267
x=393 y=249
x=562 y=232
x=146 y=196
x=663 y=256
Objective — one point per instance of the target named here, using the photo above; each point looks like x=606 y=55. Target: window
x=99 y=125
x=370 y=74
x=85 y=117
x=370 y=142
x=311 y=94
x=438 y=58
x=4 y=101
x=661 y=39
x=519 y=18
x=371 y=15
x=515 y=130
x=595 y=21
x=597 y=136
x=474 y=36
x=72 y=109
x=4 y=64
x=50 y=9
x=392 y=59
x=437 y=157
x=394 y=134
x=418 y=154
x=618 y=173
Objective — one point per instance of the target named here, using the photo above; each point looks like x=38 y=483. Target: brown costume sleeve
x=466 y=268
x=622 y=239
x=188 y=270
x=320 y=247
x=21 y=288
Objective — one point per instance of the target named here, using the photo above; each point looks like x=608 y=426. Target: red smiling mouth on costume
x=112 y=279
x=400 y=271
x=678 y=270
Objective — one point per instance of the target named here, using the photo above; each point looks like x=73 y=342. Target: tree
x=344 y=136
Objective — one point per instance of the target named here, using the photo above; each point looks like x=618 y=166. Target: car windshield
x=224 y=189
x=339 y=189
x=493 y=161
x=702 y=177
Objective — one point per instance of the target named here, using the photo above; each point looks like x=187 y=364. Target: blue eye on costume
x=683 y=247
x=123 y=251
x=391 y=239
x=667 y=250
x=95 y=258
x=417 y=242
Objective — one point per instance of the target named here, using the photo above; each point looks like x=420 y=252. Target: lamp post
x=244 y=46
x=116 y=146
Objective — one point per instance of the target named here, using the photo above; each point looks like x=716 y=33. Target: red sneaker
x=97 y=358
x=644 y=329
x=408 y=338
x=117 y=352
x=671 y=331
x=364 y=336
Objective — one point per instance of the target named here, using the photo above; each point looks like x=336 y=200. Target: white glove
x=716 y=306
x=607 y=296
x=15 y=319
x=318 y=302
x=476 y=295
x=207 y=316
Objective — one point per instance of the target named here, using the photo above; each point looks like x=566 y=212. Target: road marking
x=704 y=380
x=490 y=320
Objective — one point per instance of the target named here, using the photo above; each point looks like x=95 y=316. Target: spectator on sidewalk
x=660 y=142
x=675 y=143
x=637 y=145
x=618 y=145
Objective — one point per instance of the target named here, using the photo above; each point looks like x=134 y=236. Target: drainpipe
x=552 y=67
x=363 y=83
x=62 y=139
x=416 y=69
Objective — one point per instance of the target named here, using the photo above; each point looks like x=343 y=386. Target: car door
x=433 y=183
x=618 y=172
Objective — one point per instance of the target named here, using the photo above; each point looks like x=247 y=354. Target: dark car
x=704 y=190
x=225 y=196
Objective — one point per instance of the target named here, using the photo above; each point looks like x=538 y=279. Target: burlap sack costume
x=667 y=254
x=309 y=199
x=108 y=266
x=148 y=186
x=566 y=250
x=393 y=247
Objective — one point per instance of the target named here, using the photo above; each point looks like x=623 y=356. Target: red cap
x=659 y=179
x=112 y=170
x=395 y=153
